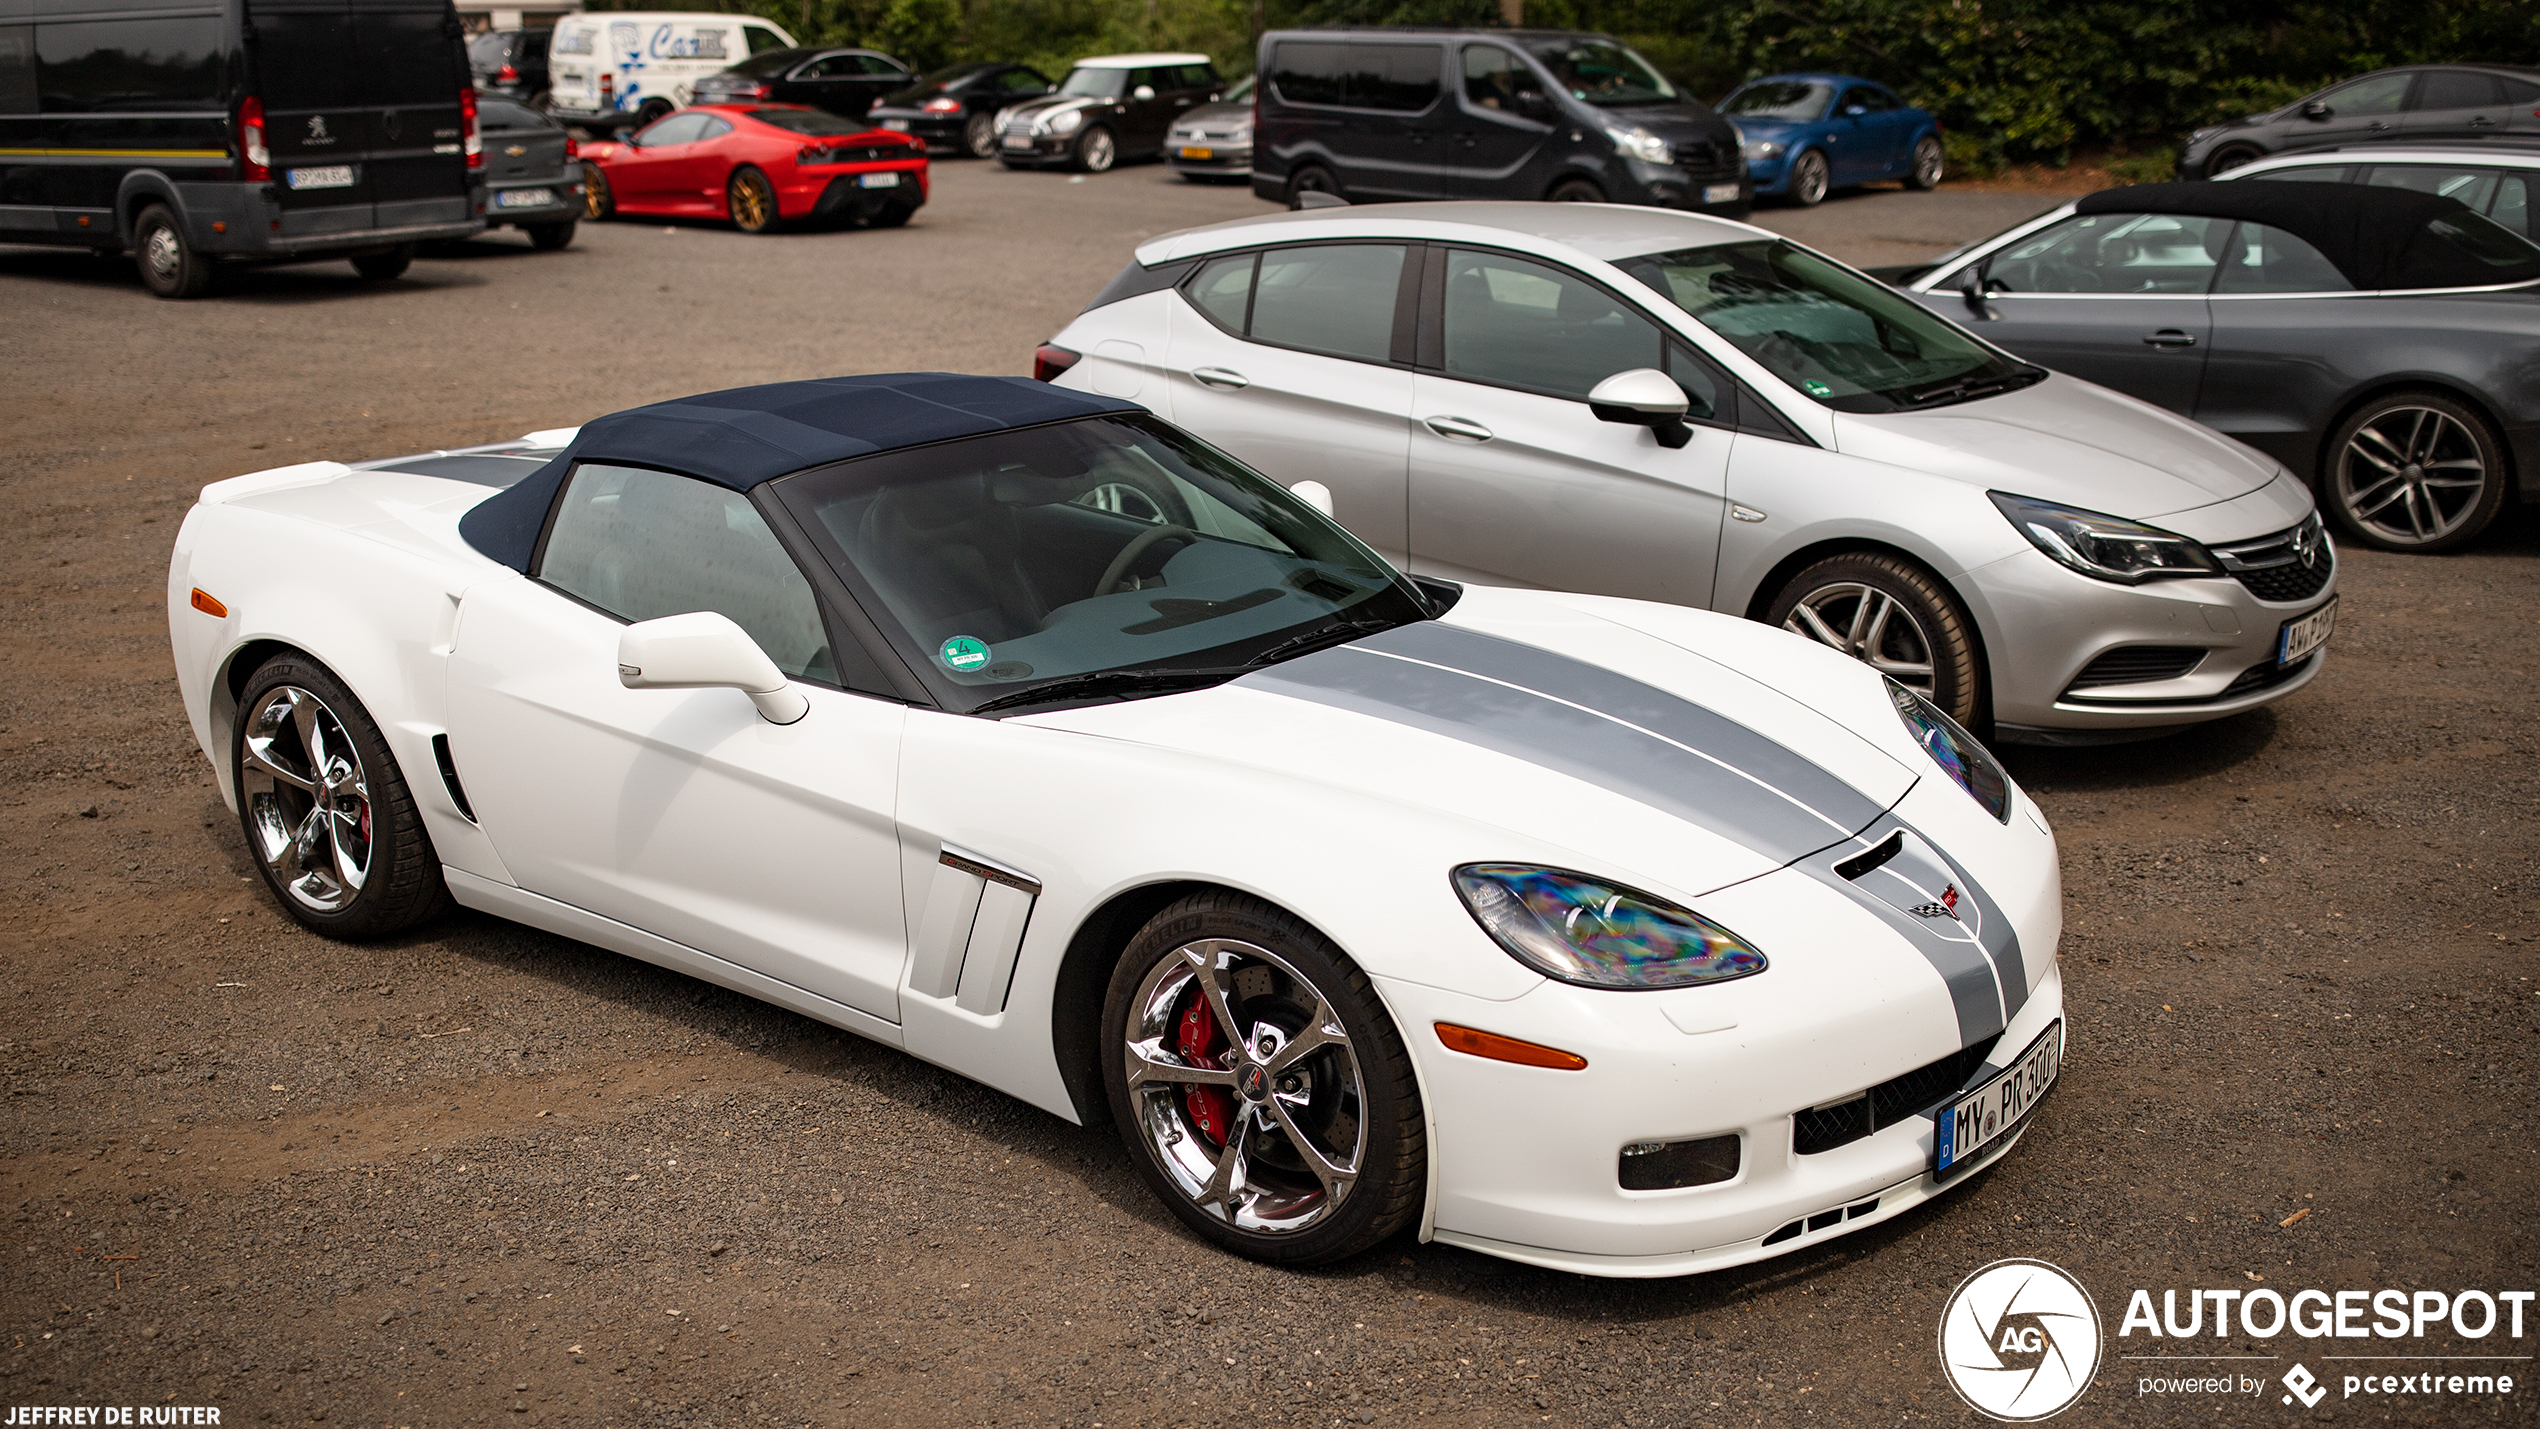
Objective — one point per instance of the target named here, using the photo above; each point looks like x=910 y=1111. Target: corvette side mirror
x=1143 y=93
x=705 y=650
x=1644 y=397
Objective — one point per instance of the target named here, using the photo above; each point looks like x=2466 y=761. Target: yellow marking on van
x=116 y=153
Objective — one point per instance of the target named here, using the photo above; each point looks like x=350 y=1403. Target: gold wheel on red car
x=753 y=201
x=596 y=203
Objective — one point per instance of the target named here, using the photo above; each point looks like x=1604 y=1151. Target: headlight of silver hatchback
x=1577 y=929
x=1959 y=754
x=2106 y=548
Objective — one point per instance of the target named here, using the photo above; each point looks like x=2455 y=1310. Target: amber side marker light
x=204 y=603
x=1474 y=1042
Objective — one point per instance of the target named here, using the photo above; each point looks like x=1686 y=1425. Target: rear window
x=501 y=114
x=2467 y=250
x=327 y=61
x=814 y=122
x=103 y=66
x=1398 y=78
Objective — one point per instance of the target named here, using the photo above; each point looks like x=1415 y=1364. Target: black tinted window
x=761 y=40
x=1524 y=324
x=817 y=122
x=326 y=61
x=1334 y=298
x=2465 y=250
x=2270 y=260
x=2458 y=89
x=645 y=544
x=2519 y=91
x=17 y=69
x=128 y=65
x=406 y=59
x=1402 y=78
x=492 y=114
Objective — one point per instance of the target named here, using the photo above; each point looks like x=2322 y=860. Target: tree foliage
x=2012 y=79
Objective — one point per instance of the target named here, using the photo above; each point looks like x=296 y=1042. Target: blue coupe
x=1808 y=133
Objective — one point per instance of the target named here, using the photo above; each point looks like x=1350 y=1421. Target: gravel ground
x=482 y=1174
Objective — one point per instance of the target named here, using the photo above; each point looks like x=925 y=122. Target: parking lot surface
x=481 y=1174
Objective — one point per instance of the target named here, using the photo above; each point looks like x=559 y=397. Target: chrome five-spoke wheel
x=306 y=799
x=1893 y=615
x=1246 y=1086
x=2416 y=473
x=1869 y=625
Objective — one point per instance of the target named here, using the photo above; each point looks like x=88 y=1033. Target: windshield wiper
x=1338 y=633
x=1967 y=389
x=1146 y=679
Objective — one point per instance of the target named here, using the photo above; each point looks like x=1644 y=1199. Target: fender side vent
x=1860 y=863
x=450 y=776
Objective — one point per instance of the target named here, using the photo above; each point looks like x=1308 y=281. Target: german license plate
x=1199 y=153
x=1981 y=1117
x=1018 y=141
x=332 y=176
x=886 y=180
x=897 y=126
x=1720 y=193
x=2305 y=635
x=524 y=198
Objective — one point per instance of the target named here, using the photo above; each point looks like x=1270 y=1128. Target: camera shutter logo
x=2019 y=1340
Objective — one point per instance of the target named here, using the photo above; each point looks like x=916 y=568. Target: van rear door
x=361 y=112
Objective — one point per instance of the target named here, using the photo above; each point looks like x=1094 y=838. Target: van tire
x=382 y=267
x=169 y=265
x=1311 y=179
x=548 y=237
x=1575 y=191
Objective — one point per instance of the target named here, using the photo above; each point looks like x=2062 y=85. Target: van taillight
x=468 y=141
x=254 y=159
x=608 y=91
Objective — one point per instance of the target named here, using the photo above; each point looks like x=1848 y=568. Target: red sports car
x=757 y=165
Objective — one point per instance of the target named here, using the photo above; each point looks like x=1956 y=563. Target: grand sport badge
x=2019 y=1340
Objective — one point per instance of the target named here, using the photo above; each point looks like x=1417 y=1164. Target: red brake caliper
x=1212 y=1110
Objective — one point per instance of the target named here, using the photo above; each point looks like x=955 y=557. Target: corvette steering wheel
x=1137 y=547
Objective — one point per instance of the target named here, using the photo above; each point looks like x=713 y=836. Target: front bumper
x=1230 y=160
x=1664 y=186
x=1526 y=1158
x=1038 y=148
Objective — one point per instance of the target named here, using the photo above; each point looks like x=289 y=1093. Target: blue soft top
x=750 y=435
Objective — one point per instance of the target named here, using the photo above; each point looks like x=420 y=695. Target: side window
x=1865 y=98
x=1708 y=395
x=712 y=129
x=2471 y=186
x=1399 y=78
x=2270 y=260
x=1524 y=324
x=105 y=66
x=1223 y=290
x=645 y=544
x=1493 y=78
x=677 y=129
x=2457 y=89
x=17 y=69
x=2513 y=204
x=2114 y=253
x=2374 y=94
x=1307 y=73
x=1334 y=298
x=1157 y=79
x=2520 y=93
x=830 y=67
x=760 y=39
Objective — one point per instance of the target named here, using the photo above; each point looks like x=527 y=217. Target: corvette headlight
x=1577 y=929
x=1067 y=121
x=1958 y=753
x=1640 y=144
x=2105 y=547
x=1762 y=149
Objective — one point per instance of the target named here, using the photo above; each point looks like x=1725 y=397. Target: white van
x=611 y=68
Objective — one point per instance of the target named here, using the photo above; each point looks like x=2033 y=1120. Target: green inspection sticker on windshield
x=963 y=653
x=1817 y=389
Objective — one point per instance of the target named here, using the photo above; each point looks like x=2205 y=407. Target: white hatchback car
x=1679 y=408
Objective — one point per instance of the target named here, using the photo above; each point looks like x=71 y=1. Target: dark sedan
x=842 y=81
x=511 y=63
x=2378 y=341
x=533 y=173
x=2410 y=105
x=955 y=110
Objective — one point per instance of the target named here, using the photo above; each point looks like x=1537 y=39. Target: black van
x=1412 y=113
x=265 y=130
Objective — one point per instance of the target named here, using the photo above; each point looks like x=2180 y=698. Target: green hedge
x=2011 y=79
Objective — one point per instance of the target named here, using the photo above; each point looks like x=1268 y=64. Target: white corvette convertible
x=1014 y=727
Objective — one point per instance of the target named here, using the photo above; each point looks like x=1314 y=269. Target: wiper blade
x=1964 y=389
x=1132 y=681
x=1322 y=636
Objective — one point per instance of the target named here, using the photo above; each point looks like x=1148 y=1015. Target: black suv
x=511 y=63
x=273 y=130
x=1409 y=113
x=2410 y=105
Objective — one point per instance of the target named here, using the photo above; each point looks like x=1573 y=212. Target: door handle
x=2482 y=122
x=1461 y=428
x=2169 y=337
x=1220 y=378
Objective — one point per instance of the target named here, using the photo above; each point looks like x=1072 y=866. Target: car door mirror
x=1855 y=111
x=1314 y=494
x=2317 y=110
x=1143 y=93
x=1644 y=397
x=1533 y=104
x=1975 y=287
x=705 y=650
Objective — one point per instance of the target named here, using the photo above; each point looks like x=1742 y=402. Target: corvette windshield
x=1088 y=559
x=1850 y=342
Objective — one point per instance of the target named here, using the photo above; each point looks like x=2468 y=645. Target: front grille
x=2266 y=677
x=2136 y=665
x=1701 y=160
x=2288 y=566
x=1017 y=126
x=1891 y=1101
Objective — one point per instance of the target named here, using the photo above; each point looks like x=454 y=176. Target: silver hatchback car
x=1632 y=402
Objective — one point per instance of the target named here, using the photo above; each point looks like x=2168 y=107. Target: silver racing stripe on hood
x=1588 y=722
x=1939 y=909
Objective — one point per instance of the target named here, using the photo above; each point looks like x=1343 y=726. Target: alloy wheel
x=1808 y=179
x=1927 y=163
x=1246 y=1086
x=2411 y=476
x=307 y=799
x=979 y=136
x=753 y=204
x=1096 y=151
x=1869 y=625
